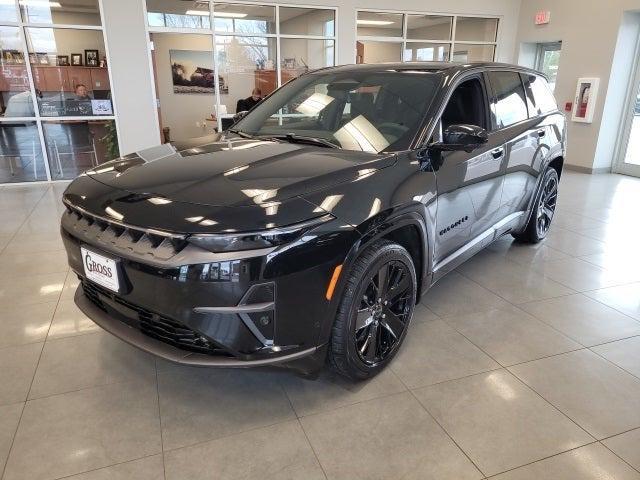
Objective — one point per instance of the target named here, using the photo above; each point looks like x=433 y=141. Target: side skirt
x=468 y=250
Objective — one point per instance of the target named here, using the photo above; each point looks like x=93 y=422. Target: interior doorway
x=548 y=60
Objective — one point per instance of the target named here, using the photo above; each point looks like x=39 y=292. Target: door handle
x=498 y=152
x=541 y=133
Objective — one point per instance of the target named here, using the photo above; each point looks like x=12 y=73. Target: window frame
x=23 y=27
x=404 y=39
x=211 y=31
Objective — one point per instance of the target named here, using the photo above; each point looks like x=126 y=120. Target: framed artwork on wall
x=76 y=59
x=192 y=71
x=91 y=58
x=585 y=101
x=62 y=60
x=42 y=58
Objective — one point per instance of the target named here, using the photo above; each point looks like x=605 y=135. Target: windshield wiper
x=240 y=133
x=294 y=138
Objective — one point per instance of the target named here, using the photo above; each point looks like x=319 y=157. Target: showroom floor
x=526 y=360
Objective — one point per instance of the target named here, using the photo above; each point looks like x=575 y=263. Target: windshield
x=363 y=111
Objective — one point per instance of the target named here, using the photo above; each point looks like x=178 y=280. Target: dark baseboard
x=581 y=169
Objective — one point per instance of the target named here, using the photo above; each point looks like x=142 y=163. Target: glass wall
x=407 y=37
x=56 y=111
x=242 y=52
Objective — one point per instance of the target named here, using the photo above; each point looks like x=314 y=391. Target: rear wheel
x=545 y=207
x=374 y=312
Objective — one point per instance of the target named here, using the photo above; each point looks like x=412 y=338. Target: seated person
x=246 y=104
x=82 y=92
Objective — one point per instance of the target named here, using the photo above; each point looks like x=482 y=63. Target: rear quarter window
x=539 y=94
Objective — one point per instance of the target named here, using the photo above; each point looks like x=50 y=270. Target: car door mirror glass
x=461 y=137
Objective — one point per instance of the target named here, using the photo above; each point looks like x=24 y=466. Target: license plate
x=100 y=269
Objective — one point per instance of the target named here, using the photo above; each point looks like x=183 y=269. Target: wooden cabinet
x=79 y=76
x=99 y=79
x=267 y=80
x=65 y=79
x=51 y=79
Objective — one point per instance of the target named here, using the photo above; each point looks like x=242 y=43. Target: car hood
x=235 y=171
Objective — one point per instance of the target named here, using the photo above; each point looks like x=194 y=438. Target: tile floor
x=522 y=364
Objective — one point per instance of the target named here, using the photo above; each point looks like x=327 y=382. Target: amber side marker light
x=333 y=281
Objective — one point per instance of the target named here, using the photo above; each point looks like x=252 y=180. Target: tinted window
x=466 y=105
x=511 y=106
x=362 y=110
x=539 y=96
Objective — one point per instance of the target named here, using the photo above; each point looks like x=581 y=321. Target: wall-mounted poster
x=192 y=71
x=585 y=101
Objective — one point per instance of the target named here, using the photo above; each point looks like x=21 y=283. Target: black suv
x=308 y=231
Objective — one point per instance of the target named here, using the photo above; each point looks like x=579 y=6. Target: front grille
x=120 y=238
x=154 y=325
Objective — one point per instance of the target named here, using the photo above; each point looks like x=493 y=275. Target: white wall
x=181 y=111
x=132 y=84
x=132 y=81
x=590 y=32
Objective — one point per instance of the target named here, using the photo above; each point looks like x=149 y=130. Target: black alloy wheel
x=383 y=313
x=375 y=311
x=544 y=208
x=547 y=205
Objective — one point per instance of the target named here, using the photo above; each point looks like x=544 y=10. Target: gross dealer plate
x=100 y=269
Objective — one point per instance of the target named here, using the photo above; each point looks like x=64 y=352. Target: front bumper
x=229 y=310
x=118 y=325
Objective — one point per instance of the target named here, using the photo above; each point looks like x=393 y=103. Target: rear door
x=520 y=136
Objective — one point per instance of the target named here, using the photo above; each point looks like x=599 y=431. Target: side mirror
x=461 y=137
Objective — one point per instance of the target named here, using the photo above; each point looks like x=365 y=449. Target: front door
x=469 y=184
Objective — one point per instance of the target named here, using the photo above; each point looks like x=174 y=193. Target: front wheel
x=374 y=312
x=544 y=209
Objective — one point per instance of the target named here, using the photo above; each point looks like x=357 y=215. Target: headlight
x=233 y=242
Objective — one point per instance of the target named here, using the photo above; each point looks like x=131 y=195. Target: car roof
x=448 y=67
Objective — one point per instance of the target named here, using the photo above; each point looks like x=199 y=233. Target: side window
x=467 y=105
x=511 y=105
x=539 y=89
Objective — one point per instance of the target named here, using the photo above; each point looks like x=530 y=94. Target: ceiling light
x=229 y=14
x=39 y=3
x=205 y=13
x=375 y=22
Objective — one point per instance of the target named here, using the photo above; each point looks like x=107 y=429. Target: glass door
x=627 y=160
x=548 y=60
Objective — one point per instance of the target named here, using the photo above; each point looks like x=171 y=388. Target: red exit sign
x=542 y=17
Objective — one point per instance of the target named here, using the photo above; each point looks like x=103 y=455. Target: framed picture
x=101 y=107
x=43 y=58
x=585 y=101
x=192 y=71
x=12 y=57
x=76 y=59
x=91 y=58
x=33 y=58
x=62 y=60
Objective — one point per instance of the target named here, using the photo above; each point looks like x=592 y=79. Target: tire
x=543 y=210
x=367 y=332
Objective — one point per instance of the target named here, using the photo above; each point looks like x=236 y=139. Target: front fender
x=380 y=227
